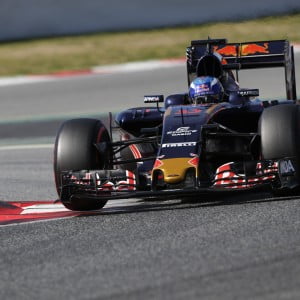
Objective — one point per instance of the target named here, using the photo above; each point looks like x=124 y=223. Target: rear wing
x=251 y=55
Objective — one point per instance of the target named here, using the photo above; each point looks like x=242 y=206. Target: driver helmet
x=206 y=89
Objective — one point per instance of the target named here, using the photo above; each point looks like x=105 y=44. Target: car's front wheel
x=279 y=128
x=75 y=150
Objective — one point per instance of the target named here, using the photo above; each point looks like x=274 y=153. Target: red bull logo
x=244 y=50
x=229 y=50
x=250 y=49
x=202 y=88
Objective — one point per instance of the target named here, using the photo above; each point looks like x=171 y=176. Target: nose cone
x=174 y=169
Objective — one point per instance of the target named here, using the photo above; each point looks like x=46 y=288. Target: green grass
x=81 y=52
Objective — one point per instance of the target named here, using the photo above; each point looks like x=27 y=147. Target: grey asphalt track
x=201 y=251
x=241 y=247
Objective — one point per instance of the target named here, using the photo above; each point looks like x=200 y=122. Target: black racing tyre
x=279 y=128
x=75 y=150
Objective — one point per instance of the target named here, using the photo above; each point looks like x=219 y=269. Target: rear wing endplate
x=251 y=55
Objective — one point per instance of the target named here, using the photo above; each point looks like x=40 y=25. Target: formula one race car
x=217 y=137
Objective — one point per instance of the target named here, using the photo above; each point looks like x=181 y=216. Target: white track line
x=111 y=207
x=52 y=207
x=109 y=69
x=139 y=66
x=26 y=147
x=7 y=81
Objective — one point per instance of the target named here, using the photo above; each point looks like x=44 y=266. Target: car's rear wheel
x=75 y=150
x=279 y=128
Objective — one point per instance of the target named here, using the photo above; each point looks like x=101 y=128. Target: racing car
x=214 y=137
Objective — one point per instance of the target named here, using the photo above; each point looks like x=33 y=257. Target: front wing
x=123 y=184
